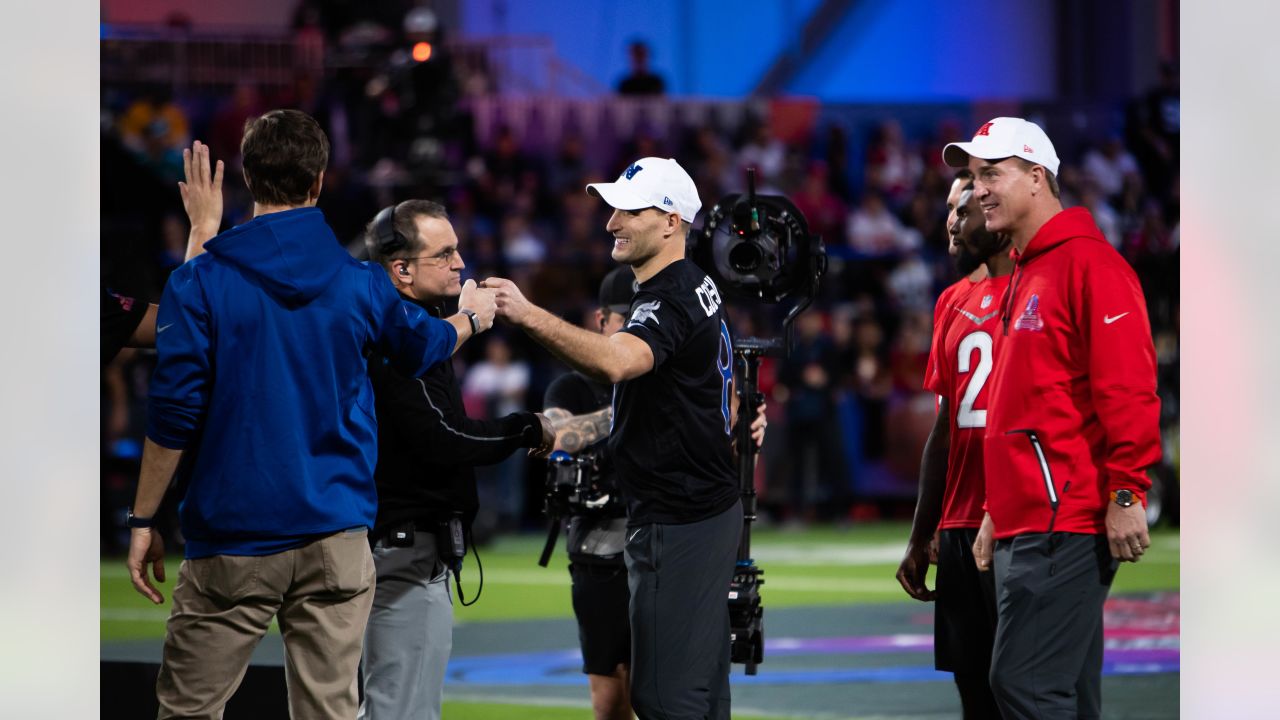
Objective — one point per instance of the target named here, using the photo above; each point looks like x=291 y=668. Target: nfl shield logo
x=986 y=302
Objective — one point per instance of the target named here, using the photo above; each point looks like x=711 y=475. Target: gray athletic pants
x=679 y=580
x=1050 y=589
x=410 y=633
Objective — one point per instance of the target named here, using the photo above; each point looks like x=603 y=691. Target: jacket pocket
x=1046 y=473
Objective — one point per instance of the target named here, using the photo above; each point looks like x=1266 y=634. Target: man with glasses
x=428 y=448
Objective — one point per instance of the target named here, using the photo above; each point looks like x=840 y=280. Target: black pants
x=679 y=579
x=964 y=625
x=1048 y=654
x=600 y=600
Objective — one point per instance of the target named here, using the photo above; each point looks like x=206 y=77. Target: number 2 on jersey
x=966 y=416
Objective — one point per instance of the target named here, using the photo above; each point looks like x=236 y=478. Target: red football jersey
x=966 y=321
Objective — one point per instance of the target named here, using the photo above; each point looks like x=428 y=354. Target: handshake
x=495 y=297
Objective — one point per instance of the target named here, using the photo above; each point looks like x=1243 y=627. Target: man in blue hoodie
x=262 y=403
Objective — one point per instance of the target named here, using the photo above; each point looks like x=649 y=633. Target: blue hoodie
x=262 y=379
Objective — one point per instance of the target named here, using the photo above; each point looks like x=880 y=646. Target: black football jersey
x=671 y=433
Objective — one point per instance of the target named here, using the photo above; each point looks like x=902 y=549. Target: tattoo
x=574 y=432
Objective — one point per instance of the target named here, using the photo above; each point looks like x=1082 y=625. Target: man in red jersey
x=952 y=488
x=1072 y=426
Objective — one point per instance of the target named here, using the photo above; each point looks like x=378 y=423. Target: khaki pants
x=222 y=606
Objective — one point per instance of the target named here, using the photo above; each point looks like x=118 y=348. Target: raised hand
x=201 y=196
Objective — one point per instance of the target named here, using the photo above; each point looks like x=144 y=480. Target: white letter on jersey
x=708 y=296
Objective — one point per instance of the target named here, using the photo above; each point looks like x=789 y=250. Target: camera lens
x=745 y=257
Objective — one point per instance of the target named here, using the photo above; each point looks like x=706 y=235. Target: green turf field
x=820 y=566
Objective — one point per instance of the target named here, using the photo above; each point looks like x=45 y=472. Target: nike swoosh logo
x=162 y=328
x=976 y=320
x=1108 y=319
x=633 y=536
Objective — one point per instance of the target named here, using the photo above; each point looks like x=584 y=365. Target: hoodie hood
x=293 y=254
x=1070 y=223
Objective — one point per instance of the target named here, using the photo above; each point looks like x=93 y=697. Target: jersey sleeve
x=121 y=315
x=933 y=372
x=661 y=321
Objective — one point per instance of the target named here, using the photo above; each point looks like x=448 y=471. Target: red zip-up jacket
x=1073 y=411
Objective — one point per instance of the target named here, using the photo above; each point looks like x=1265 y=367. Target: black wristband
x=475 y=322
x=133 y=521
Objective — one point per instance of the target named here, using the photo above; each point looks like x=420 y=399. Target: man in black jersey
x=672 y=369
x=580 y=411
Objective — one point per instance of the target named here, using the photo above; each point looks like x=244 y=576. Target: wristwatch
x=471 y=315
x=133 y=521
x=1123 y=498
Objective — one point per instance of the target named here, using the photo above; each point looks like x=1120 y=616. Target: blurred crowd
x=847 y=414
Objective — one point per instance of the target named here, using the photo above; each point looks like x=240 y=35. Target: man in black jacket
x=427 y=447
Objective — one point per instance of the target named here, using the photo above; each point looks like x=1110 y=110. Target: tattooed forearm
x=575 y=432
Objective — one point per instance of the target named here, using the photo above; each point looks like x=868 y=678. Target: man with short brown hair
x=260 y=390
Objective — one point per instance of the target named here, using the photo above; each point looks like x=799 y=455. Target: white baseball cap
x=1001 y=138
x=652 y=182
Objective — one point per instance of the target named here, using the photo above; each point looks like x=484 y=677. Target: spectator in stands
x=873 y=230
x=766 y=154
x=893 y=169
x=1103 y=214
x=808 y=377
x=154 y=124
x=641 y=80
x=1109 y=166
x=821 y=207
x=499 y=384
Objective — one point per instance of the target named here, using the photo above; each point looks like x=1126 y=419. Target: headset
x=385 y=235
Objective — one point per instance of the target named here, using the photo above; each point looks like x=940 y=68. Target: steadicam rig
x=757 y=248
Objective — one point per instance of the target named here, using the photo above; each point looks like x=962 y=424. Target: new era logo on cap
x=1001 y=138
x=652 y=182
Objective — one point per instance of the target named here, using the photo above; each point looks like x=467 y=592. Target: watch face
x=1124 y=498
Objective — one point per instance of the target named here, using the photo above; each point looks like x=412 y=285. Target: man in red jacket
x=1072 y=426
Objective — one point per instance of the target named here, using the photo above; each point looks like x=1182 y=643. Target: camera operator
x=427 y=447
x=671 y=442
x=579 y=410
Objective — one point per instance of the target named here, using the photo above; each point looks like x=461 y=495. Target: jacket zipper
x=1045 y=473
